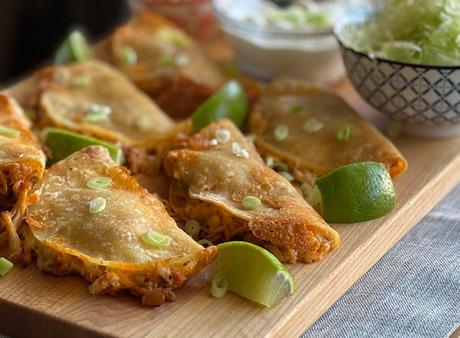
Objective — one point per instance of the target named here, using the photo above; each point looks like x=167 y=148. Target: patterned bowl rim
x=380 y=60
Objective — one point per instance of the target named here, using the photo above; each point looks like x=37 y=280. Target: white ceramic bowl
x=269 y=52
x=425 y=98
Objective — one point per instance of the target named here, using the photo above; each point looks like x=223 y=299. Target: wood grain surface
x=33 y=304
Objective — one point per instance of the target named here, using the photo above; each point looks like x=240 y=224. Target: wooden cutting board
x=33 y=304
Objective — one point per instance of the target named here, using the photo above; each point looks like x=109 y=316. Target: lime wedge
x=229 y=102
x=355 y=193
x=253 y=273
x=63 y=143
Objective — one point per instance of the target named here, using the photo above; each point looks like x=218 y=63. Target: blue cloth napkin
x=413 y=291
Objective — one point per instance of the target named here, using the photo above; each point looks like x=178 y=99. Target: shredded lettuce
x=425 y=32
x=297 y=16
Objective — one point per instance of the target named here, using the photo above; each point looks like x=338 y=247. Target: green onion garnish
x=166 y=61
x=287 y=176
x=239 y=151
x=97 y=204
x=223 y=135
x=296 y=108
x=97 y=112
x=281 y=132
x=9 y=132
x=156 y=239
x=173 y=36
x=251 y=202
x=81 y=81
x=205 y=242
x=79 y=46
x=128 y=56
x=344 y=133
x=269 y=161
x=312 y=125
x=5 y=266
x=192 y=227
x=219 y=285
x=181 y=60
x=99 y=182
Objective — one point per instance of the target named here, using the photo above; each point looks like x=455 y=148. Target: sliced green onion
x=205 y=242
x=166 y=61
x=155 y=239
x=5 y=266
x=281 y=132
x=182 y=60
x=313 y=197
x=251 y=203
x=213 y=142
x=9 y=132
x=79 y=46
x=306 y=188
x=97 y=204
x=97 y=112
x=128 y=55
x=99 y=182
x=81 y=81
x=312 y=125
x=219 y=285
x=173 y=36
x=223 y=135
x=296 y=108
x=192 y=227
x=269 y=161
x=287 y=176
x=239 y=151
x=344 y=132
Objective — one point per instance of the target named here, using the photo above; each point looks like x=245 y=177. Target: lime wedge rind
x=253 y=273
x=356 y=192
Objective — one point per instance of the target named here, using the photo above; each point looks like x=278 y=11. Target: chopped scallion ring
x=344 y=133
x=192 y=227
x=223 y=135
x=239 y=151
x=296 y=108
x=270 y=161
x=251 y=202
x=281 y=132
x=97 y=112
x=166 y=61
x=182 y=60
x=81 y=81
x=155 y=239
x=128 y=56
x=287 y=176
x=5 y=266
x=219 y=285
x=79 y=46
x=312 y=125
x=9 y=132
x=205 y=242
x=97 y=204
x=99 y=182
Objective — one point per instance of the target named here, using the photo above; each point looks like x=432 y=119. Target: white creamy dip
x=269 y=41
